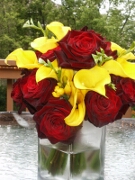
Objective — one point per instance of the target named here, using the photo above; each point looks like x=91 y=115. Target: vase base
x=43 y=176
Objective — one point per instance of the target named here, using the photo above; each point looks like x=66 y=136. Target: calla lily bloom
x=122 y=53
x=43 y=44
x=77 y=113
x=125 y=69
x=24 y=58
x=93 y=79
x=47 y=72
x=119 y=49
x=121 y=67
x=58 y=29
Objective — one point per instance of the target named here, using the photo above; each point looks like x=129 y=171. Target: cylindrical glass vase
x=82 y=160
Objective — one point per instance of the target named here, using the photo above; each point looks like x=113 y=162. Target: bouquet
x=71 y=76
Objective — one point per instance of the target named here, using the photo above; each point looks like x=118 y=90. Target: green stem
x=77 y=163
x=56 y=162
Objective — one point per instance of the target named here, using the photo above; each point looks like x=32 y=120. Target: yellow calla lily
x=122 y=53
x=121 y=67
x=125 y=69
x=58 y=29
x=24 y=58
x=129 y=68
x=93 y=79
x=47 y=72
x=77 y=113
x=43 y=44
x=115 y=46
x=128 y=56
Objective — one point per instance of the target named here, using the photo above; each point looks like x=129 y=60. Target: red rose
x=51 y=124
x=50 y=54
x=40 y=134
x=17 y=96
x=128 y=87
x=38 y=54
x=101 y=110
x=125 y=88
x=36 y=94
x=77 y=48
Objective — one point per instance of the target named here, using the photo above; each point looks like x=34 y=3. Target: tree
x=14 y=14
x=120 y=21
x=116 y=24
x=8 y=29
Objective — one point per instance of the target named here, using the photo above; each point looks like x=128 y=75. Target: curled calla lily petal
x=93 y=79
x=24 y=58
x=73 y=96
x=77 y=113
x=43 y=44
x=125 y=69
x=129 y=68
x=47 y=72
x=58 y=29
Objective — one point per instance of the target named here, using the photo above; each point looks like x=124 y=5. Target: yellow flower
x=63 y=86
x=58 y=29
x=121 y=67
x=24 y=58
x=43 y=44
x=58 y=91
x=119 y=49
x=47 y=72
x=77 y=113
x=93 y=79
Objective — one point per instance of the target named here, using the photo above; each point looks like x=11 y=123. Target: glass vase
x=81 y=160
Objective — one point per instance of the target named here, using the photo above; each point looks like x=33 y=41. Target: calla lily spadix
x=24 y=58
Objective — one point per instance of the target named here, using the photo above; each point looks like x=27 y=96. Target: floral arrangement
x=70 y=76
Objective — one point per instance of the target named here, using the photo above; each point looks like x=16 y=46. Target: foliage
x=112 y=18
x=120 y=21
